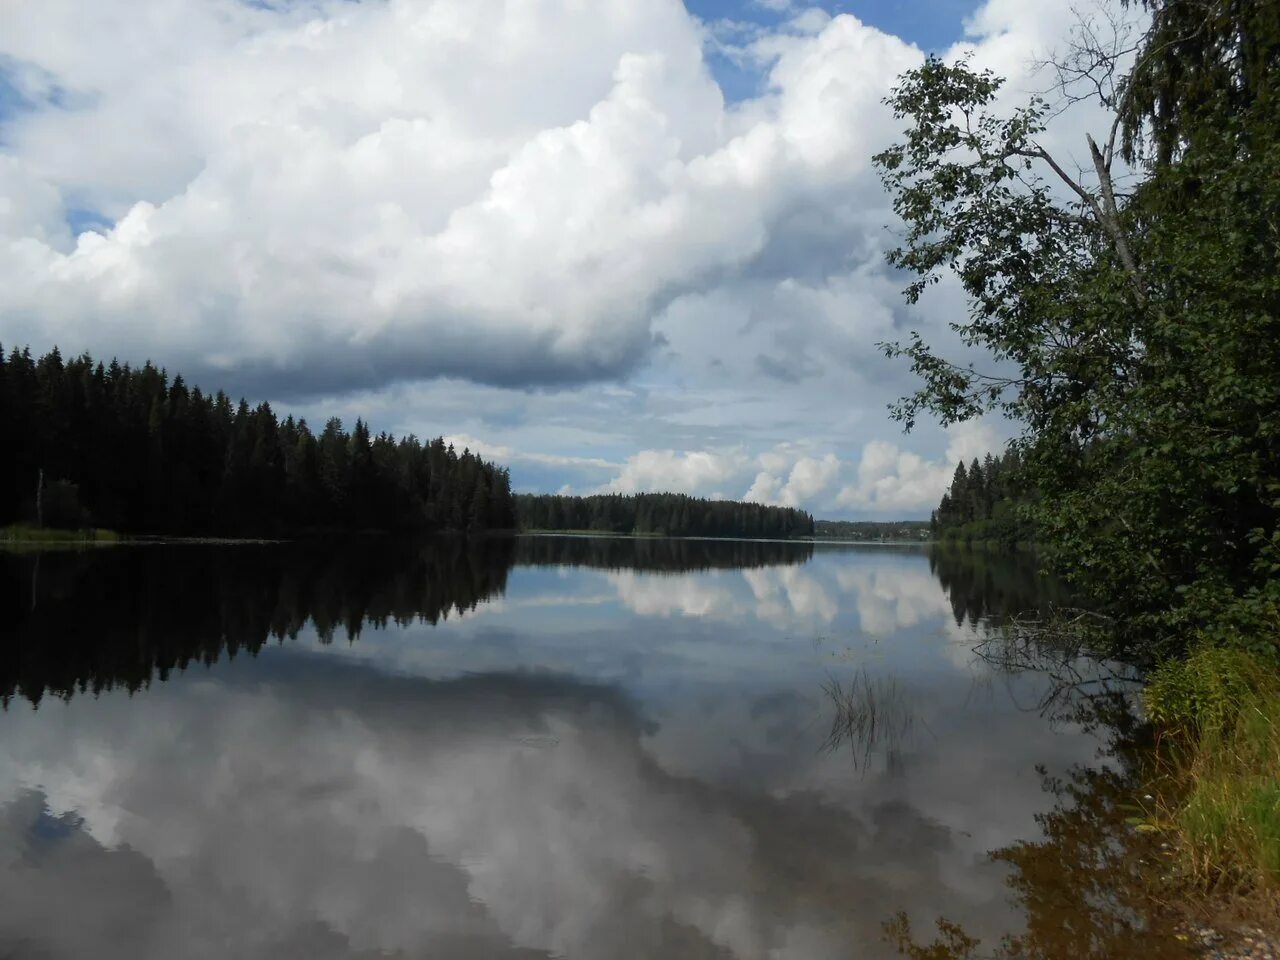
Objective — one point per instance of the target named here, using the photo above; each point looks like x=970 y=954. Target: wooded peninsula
x=132 y=450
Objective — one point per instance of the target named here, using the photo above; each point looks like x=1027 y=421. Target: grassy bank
x=21 y=534
x=1217 y=796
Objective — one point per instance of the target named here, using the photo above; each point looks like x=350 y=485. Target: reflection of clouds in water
x=890 y=599
x=374 y=814
x=665 y=595
x=347 y=811
x=788 y=596
x=958 y=650
x=783 y=597
x=565 y=626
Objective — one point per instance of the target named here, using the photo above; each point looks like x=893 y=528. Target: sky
x=615 y=245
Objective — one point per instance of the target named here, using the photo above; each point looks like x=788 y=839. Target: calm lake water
x=541 y=747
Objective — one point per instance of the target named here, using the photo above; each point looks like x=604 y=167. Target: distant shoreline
x=30 y=537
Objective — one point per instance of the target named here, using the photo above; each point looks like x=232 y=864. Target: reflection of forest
x=113 y=617
x=1086 y=885
x=991 y=586
x=88 y=621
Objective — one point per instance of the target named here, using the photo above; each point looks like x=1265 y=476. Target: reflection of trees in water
x=1076 y=682
x=114 y=617
x=94 y=620
x=1086 y=884
x=658 y=554
x=1024 y=623
x=992 y=586
x=1085 y=887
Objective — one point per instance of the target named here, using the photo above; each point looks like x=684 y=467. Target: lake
x=527 y=747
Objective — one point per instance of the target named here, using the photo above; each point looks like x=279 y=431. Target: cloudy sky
x=617 y=244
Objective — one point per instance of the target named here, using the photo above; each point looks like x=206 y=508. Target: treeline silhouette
x=666 y=514
x=85 y=621
x=982 y=503
x=109 y=445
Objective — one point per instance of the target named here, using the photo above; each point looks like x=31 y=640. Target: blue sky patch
x=932 y=26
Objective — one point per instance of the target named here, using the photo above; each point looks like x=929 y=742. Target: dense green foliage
x=664 y=514
x=1135 y=329
x=1134 y=316
x=131 y=450
x=872 y=530
x=985 y=503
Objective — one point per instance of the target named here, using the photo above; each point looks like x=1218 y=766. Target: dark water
x=537 y=747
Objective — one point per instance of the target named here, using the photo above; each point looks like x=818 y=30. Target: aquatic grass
x=870 y=713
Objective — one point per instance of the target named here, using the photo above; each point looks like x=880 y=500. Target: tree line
x=662 y=514
x=128 y=448
x=985 y=502
x=873 y=530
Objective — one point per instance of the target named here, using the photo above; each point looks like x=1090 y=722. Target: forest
x=132 y=450
x=985 y=504
x=661 y=514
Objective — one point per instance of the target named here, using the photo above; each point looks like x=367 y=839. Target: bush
x=1206 y=693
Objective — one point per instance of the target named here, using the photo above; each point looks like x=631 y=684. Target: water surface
x=542 y=747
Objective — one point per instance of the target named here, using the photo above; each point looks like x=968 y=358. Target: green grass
x=1220 y=712
x=22 y=533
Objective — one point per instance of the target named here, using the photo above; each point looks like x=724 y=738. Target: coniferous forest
x=664 y=514
x=131 y=450
x=983 y=503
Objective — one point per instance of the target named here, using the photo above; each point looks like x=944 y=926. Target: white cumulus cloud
x=890 y=478
x=689 y=471
x=882 y=480
x=350 y=193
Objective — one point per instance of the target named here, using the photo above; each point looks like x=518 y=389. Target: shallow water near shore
x=535 y=747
